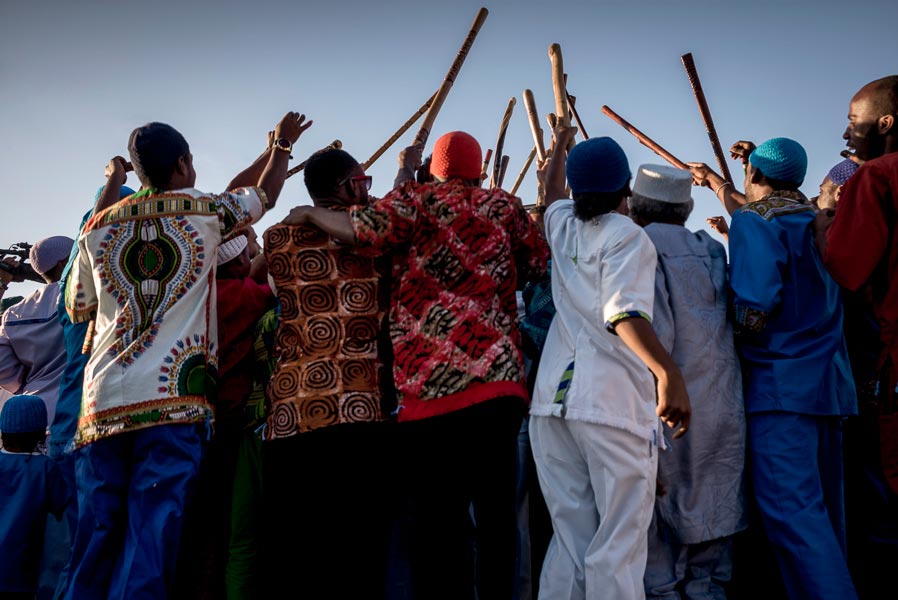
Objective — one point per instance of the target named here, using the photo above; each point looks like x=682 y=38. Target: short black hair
x=325 y=169
x=155 y=149
x=885 y=95
x=29 y=441
x=589 y=205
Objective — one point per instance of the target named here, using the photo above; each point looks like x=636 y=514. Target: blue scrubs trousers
x=796 y=470
x=132 y=491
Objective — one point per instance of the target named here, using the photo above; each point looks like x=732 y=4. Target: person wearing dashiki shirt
x=798 y=383
x=327 y=445
x=145 y=276
x=702 y=503
x=458 y=254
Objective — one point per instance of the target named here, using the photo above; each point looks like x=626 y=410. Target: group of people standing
x=337 y=412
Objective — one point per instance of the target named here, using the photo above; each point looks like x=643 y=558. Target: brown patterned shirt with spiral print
x=328 y=343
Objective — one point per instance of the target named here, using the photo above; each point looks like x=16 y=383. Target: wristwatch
x=283 y=144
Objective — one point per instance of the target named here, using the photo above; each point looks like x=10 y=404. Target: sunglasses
x=363 y=179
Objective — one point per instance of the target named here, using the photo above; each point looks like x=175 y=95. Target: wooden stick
x=336 y=144
x=486 y=164
x=399 y=132
x=500 y=143
x=644 y=139
x=558 y=86
x=424 y=129
x=520 y=179
x=570 y=103
x=703 y=109
x=533 y=118
x=502 y=170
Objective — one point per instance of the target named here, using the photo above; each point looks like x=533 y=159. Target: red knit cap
x=456 y=155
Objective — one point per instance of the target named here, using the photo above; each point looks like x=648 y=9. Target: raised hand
x=742 y=149
x=719 y=225
x=117 y=169
x=291 y=126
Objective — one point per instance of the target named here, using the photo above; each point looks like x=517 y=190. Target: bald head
x=872 y=116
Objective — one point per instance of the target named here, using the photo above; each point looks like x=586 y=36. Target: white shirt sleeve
x=80 y=292
x=240 y=208
x=627 y=275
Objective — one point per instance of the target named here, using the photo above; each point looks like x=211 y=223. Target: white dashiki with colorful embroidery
x=146 y=275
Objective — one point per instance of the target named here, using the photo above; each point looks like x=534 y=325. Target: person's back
x=31 y=487
x=798 y=359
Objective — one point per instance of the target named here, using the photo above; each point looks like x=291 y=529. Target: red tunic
x=241 y=303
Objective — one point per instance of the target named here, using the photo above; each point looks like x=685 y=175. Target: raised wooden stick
x=502 y=170
x=558 y=86
x=533 y=118
x=399 y=132
x=703 y=109
x=500 y=144
x=424 y=129
x=486 y=164
x=336 y=144
x=520 y=179
x=644 y=139
x=570 y=102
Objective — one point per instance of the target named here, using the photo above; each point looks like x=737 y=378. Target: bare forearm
x=272 y=179
x=335 y=223
x=638 y=335
x=111 y=193
x=252 y=174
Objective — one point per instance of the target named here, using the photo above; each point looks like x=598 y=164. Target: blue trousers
x=132 y=491
x=796 y=470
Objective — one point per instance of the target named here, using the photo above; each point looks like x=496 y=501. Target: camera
x=23 y=270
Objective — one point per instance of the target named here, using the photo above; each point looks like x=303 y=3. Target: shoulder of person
x=771 y=208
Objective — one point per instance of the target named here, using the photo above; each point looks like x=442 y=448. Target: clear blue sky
x=77 y=77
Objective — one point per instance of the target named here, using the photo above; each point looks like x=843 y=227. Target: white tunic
x=602 y=271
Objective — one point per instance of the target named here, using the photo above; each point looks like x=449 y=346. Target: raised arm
x=286 y=133
x=555 y=173
x=731 y=199
x=116 y=175
x=251 y=175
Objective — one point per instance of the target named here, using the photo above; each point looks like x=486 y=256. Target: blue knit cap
x=23 y=413
x=597 y=165
x=781 y=158
x=842 y=172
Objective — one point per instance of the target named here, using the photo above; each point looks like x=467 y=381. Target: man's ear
x=183 y=167
x=885 y=124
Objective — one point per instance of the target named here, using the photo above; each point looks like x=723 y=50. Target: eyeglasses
x=363 y=179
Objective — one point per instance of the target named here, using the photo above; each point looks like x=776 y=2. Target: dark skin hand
x=116 y=174
x=702 y=175
x=673 y=399
x=290 y=127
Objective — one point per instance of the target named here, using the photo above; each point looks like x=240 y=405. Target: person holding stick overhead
x=145 y=275
x=594 y=425
x=797 y=380
x=459 y=252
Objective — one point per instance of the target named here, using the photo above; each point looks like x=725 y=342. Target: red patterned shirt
x=458 y=255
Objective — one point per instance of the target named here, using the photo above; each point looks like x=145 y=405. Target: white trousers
x=599 y=485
